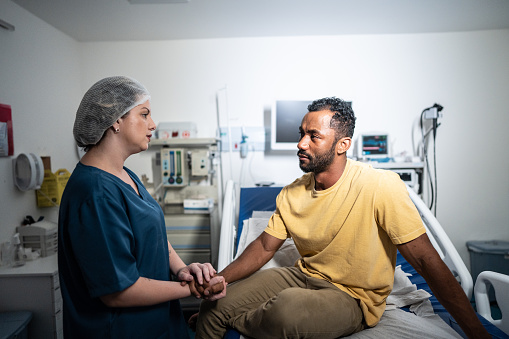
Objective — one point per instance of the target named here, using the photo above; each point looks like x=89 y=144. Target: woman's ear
x=343 y=145
x=116 y=126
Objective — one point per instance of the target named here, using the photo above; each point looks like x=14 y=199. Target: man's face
x=317 y=145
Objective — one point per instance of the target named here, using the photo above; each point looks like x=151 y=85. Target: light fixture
x=150 y=2
x=7 y=26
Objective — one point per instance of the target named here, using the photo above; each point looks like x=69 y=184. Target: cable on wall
x=431 y=113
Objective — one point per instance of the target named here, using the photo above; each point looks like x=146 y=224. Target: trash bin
x=488 y=256
x=14 y=324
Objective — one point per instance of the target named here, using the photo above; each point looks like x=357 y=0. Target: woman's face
x=137 y=127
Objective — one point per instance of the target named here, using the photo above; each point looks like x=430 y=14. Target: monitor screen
x=286 y=119
x=374 y=146
x=285 y=122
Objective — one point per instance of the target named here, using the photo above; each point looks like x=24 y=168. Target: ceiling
x=120 y=20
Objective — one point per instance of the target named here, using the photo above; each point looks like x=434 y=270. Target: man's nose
x=303 y=143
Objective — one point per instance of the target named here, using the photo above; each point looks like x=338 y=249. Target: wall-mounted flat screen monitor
x=286 y=118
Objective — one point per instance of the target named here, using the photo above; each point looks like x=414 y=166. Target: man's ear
x=343 y=145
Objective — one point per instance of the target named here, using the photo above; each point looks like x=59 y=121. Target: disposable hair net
x=103 y=104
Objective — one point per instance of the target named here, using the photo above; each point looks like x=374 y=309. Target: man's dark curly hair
x=343 y=120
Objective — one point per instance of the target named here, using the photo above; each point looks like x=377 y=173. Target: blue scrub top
x=109 y=236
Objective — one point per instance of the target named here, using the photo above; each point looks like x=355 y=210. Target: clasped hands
x=203 y=281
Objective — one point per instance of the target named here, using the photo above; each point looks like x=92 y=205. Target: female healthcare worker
x=114 y=258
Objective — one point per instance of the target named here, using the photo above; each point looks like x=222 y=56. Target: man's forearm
x=450 y=294
x=250 y=261
x=424 y=258
x=256 y=254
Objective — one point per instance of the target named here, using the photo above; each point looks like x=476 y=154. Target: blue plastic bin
x=14 y=325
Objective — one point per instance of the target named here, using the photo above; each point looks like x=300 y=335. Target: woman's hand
x=196 y=270
x=196 y=275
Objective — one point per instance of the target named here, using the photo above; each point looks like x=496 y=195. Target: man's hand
x=216 y=288
x=213 y=290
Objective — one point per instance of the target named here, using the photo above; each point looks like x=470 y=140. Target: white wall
x=39 y=78
x=389 y=78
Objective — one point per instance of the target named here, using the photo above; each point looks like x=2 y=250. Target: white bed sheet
x=398 y=324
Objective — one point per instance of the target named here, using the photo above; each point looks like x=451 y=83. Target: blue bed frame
x=264 y=199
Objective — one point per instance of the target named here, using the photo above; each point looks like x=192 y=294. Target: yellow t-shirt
x=346 y=233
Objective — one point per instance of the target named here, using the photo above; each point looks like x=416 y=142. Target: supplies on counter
x=17 y=257
x=40 y=236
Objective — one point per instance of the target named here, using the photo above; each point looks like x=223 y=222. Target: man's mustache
x=304 y=154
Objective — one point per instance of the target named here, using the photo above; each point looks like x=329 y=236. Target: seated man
x=347 y=220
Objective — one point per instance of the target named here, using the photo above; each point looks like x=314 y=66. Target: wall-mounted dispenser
x=28 y=171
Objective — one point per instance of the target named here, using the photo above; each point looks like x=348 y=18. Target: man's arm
x=421 y=254
x=256 y=254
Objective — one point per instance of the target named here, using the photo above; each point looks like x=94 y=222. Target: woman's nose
x=152 y=125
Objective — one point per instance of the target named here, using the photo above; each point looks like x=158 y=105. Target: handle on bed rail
x=500 y=283
x=228 y=229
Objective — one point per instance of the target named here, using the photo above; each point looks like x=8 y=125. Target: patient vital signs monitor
x=373 y=146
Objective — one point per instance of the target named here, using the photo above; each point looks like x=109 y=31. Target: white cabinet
x=34 y=287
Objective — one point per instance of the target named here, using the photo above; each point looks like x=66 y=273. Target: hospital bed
x=412 y=311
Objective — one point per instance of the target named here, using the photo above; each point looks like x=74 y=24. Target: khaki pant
x=281 y=303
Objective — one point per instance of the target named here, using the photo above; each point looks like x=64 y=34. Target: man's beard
x=318 y=163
